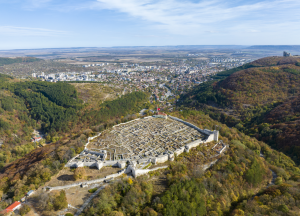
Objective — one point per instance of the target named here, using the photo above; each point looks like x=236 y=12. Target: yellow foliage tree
x=79 y=173
x=149 y=211
x=233 y=197
x=238 y=212
x=129 y=181
x=116 y=213
x=213 y=213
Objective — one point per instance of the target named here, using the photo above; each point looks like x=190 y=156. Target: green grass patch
x=149 y=165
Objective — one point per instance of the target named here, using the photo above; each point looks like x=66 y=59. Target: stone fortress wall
x=83 y=183
x=210 y=136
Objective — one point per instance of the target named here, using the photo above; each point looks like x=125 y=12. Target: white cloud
x=186 y=17
x=24 y=31
x=190 y=17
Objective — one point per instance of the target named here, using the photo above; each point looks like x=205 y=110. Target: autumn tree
x=60 y=201
x=79 y=173
x=24 y=209
x=116 y=213
x=254 y=175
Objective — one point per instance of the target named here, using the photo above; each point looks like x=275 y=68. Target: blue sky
x=105 y=23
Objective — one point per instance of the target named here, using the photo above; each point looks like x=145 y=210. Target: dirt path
x=32 y=211
x=274 y=176
x=85 y=204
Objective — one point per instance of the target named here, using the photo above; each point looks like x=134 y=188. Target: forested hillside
x=15 y=124
x=228 y=188
x=6 y=61
x=259 y=99
x=37 y=167
x=53 y=108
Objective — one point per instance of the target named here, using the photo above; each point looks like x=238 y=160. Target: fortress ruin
x=142 y=141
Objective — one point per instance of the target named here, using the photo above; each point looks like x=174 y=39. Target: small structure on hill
x=286 y=54
x=36 y=139
x=30 y=193
x=219 y=147
x=16 y=205
x=161 y=115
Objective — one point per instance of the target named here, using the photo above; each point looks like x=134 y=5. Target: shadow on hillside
x=66 y=178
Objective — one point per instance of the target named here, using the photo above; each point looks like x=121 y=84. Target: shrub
x=283 y=208
x=7 y=104
x=278 y=180
x=4 y=125
x=60 y=201
x=254 y=175
x=149 y=211
x=24 y=209
x=116 y=213
x=237 y=143
x=92 y=190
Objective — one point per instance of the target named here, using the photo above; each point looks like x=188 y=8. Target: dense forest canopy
x=4 y=80
x=62 y=94
x=53 y=104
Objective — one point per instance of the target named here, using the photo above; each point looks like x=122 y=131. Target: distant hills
x=276 y=47
x=44 y=51
x=261 y=98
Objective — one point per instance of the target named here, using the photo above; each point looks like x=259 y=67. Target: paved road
x=169 y=93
